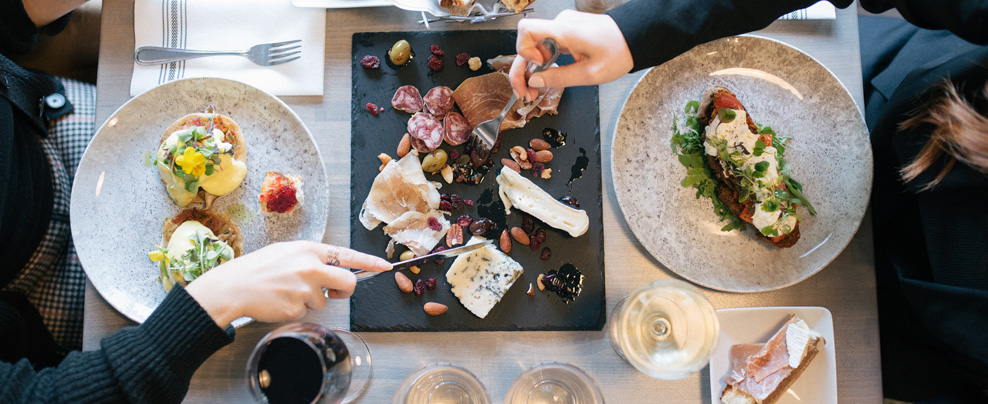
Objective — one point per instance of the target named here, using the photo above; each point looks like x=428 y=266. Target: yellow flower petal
x=156 y=255
x=198 y=158
x=199 y=170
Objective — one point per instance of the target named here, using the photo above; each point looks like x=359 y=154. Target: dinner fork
x=265 y=54
x=485 y=134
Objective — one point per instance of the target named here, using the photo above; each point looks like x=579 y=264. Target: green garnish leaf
x=192 y=186
x=692 y=107
x=761 y=166
x=781 y=194
x=759 y=148
x=726 y=114
x=185 y=136
x=209 y=169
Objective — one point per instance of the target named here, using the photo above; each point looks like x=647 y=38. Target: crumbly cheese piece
x=480 y=278
x=523 y=194
x=798 y=338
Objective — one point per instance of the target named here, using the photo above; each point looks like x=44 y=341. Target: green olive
x=433 y=162
x=400 y=53
x=407 y=255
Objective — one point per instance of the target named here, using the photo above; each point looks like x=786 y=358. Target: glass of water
x=554 y=383
x=666 y=329
x=306 y=363
x=442 y=383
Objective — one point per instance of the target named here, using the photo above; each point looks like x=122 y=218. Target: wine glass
x=556 y=383
x=307 y=363
x=441 y=383
x=666 y=329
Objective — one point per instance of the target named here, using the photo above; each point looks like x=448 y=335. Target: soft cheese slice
x=798 y=338
x=481 y=278
x=523 y=194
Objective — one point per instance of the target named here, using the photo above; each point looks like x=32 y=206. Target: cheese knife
x=450 y=253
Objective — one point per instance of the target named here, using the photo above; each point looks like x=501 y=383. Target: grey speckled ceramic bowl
x=119 y=202
x=830 y=155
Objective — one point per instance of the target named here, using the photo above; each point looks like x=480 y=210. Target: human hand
x=279 y=282
x=595 y=41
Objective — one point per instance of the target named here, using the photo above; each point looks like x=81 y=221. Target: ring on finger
x=334 y=255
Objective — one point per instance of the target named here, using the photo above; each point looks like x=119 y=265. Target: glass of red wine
x=305 y=363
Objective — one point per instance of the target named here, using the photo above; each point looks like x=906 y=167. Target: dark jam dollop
x=554 y=137
x=283 y=199
x=567 y=282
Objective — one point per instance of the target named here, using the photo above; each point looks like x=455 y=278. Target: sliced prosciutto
x=415 y=232
x=408 y=99
x=399 y=188
x=456 y=129
x=482 y=97
x=426 y=132
x=439 y=101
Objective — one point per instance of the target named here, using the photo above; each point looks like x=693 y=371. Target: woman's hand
x=279 y=282
x=594 y=40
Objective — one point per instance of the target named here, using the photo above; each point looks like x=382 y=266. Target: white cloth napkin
x=823 y=10
x=231 y=25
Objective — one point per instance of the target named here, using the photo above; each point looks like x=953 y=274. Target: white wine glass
x=554 y=383
x=667 y=329
x=442 y=383
x=307 y=363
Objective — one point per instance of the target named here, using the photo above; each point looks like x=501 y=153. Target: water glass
x=442 y=383
x=554 y=383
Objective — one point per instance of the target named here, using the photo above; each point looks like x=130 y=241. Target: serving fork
x=265 y=54
x=485 y=134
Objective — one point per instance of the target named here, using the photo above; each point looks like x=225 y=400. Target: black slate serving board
x=377 y=304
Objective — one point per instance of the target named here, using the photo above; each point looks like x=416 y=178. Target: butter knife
x=450 y=253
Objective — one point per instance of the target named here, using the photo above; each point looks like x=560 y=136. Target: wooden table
x=846 y=286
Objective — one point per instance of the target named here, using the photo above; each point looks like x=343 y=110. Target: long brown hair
x=960 y=133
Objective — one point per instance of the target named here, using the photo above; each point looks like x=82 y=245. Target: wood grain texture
x=846 y=286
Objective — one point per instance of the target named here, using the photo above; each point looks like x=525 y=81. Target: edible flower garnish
x=161 y=254
x=192 y=162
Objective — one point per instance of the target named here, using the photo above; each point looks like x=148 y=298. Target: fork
x=265 y=54
x=485 y=134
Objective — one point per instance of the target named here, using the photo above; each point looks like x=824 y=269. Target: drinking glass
x=442 y=383
x=597 y=6
x=307 y=363
x=666 y=329
x=555 y=383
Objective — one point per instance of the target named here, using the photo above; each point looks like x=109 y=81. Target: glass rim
x=534 y=372
x=406 y=385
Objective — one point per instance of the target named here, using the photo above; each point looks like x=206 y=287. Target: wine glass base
x=441 y=383
x=360 y=358
x=555 y=383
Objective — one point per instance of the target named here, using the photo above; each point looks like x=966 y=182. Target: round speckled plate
x=119 y=202
x=780 y=86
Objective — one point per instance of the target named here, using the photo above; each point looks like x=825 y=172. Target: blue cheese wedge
x=481 y=278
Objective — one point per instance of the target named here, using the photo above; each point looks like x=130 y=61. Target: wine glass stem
x=661 y=329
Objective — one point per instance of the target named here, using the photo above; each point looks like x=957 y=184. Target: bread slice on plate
x=761 y=373
x=517 y=5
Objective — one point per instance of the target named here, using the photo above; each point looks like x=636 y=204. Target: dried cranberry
x=537 y=169
x=436 y=50
x=430 y=284
x=445 y=206
x=370 y=62
x=468 y=202
x=444 y=197
x=435 y=63
x=497 y=144
x=419 y=287
x=531 y=155
x=462 y=59
x=571 y=201
x=546 y=252
x=454 y=154
x=456 y=201
x=527 y=223
x=537 y=239
x=434 y=224
x=373 y=109
x=481 y=226
x=464 y=221
x=439 y=248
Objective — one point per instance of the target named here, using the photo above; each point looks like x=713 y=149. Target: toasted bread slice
x=728 y=190
x=457 y=7
x=517 y=5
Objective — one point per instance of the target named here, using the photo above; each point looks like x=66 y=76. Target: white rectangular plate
x=817 y=384
x=340 y=3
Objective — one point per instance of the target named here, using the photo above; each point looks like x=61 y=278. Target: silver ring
x=334 y=256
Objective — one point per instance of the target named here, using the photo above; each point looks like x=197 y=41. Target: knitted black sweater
x=150 y=363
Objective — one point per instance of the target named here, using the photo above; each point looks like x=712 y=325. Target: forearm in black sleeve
x=967 y=19
x=659 y=30
x=151 y=363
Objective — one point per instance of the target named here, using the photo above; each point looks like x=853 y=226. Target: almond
x=505 y=241
x=531 y=290
x=404 y=284
x=539 y=144
x=543 y=156
x=435 y=309
x=519 y=235
x=447 y=173
x=404 y=145
x=454 y=236
x=510 y=164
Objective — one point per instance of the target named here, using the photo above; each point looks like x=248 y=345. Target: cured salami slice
x=407 y=99
x=426 y=132
x=439 y=101
x=456 y=129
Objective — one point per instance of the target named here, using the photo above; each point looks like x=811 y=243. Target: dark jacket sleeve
x=659 y=30
x=150 y=363
x=18 y=33
x=967 y=19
